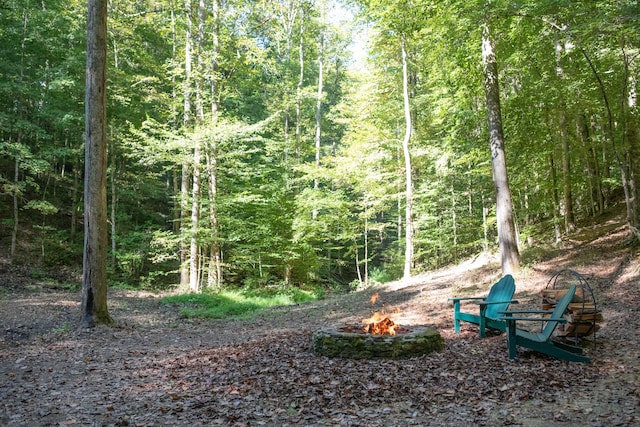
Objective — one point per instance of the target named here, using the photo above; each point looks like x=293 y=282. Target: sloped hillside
x=155 y=368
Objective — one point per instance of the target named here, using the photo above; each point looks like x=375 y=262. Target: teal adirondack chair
x=541 y=341
x=498 y=300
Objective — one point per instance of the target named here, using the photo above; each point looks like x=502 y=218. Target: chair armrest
x=509 y=312
x=536 y=319
x=513 y=301
x=465 y=298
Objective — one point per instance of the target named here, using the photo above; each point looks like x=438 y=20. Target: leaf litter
x=156 y=369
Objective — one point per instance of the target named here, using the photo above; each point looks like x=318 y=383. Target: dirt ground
x=156 y=369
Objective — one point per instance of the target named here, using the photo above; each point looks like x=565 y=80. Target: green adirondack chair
x=498 y=300
x=541 y=341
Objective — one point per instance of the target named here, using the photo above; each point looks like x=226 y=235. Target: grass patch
x=241 y=303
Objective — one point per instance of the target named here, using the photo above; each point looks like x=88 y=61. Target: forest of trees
x=248 y=145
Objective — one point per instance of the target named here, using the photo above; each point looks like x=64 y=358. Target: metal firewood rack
x=583 y=313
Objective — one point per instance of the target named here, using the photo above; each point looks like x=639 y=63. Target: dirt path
x=156 y=369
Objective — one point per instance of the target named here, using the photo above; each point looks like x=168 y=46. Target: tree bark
x=75 y=190
x=557 y=235
x=215 y=59
x=199 y=79
x=630 y=140
x=299 y=88
x=625 y=160
x=399 y=203
x=366 y=246
x=16 y=175
x=184 y=187
x=507 y=239
x=318 y=135
x=184 y=221
x=408 y=247
x=112 y=154
x=194 y=277
x=16 y=210
x=591 y=164
x=178 y=223
x=569 y=217
x=94 y=272
x=194 y=252
x=485 y=226
x=114 y=201
x=355 y=244
x=214 y=276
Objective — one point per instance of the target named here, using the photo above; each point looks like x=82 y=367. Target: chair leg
x=456 y=320
x=483 y=322
x=511 y=338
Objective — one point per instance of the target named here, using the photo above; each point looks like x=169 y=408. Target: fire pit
x=350 y=341
x=376 y=337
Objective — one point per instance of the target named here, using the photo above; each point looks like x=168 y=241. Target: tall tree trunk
x=355 y=244
x=557 y=234
x=94 y=265
x=16 y=171
x=214 y=276
x=299 y=88
x=112 y=153
x=194 y=249
x=556 y=201
x=624 y=160
x=114 y=200
x=631 y=140
x=75 y=189
x=178 y=225
x=316 y=181
x=287 y=13
x=184 y=222
x=408 y=246
x=485 y=226
x=569 y=218
x=591 y=166
x=194 y=277
x=187 y=63
x=298 y=132
x=507 y=239
x=399 y=223
x=454 y=223
x=470 y=195
x=199 y=79
x=215 y=59
x=603 y=159
x=185 y=280
x=366 y=245
x=16 y=210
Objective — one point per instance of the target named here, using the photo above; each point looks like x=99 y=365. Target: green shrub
x=379 y=275
x=238 y=303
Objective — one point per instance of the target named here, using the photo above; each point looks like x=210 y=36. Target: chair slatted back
x=558 y=311
x=503 y=290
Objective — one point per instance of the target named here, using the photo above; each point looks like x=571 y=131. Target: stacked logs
x=583 y=317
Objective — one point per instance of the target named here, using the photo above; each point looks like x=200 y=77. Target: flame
x=374 y=298
x=380 y=322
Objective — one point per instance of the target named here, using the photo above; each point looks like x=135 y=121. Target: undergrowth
x=241 y=303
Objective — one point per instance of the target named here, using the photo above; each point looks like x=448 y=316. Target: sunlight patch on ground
x=483 y=268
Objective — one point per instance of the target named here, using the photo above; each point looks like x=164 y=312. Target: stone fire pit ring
x=414 y=341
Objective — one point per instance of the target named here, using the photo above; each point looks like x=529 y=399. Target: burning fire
x=380 y=322
x=374 y=298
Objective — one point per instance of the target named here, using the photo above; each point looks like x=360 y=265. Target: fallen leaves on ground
x=156 y=369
